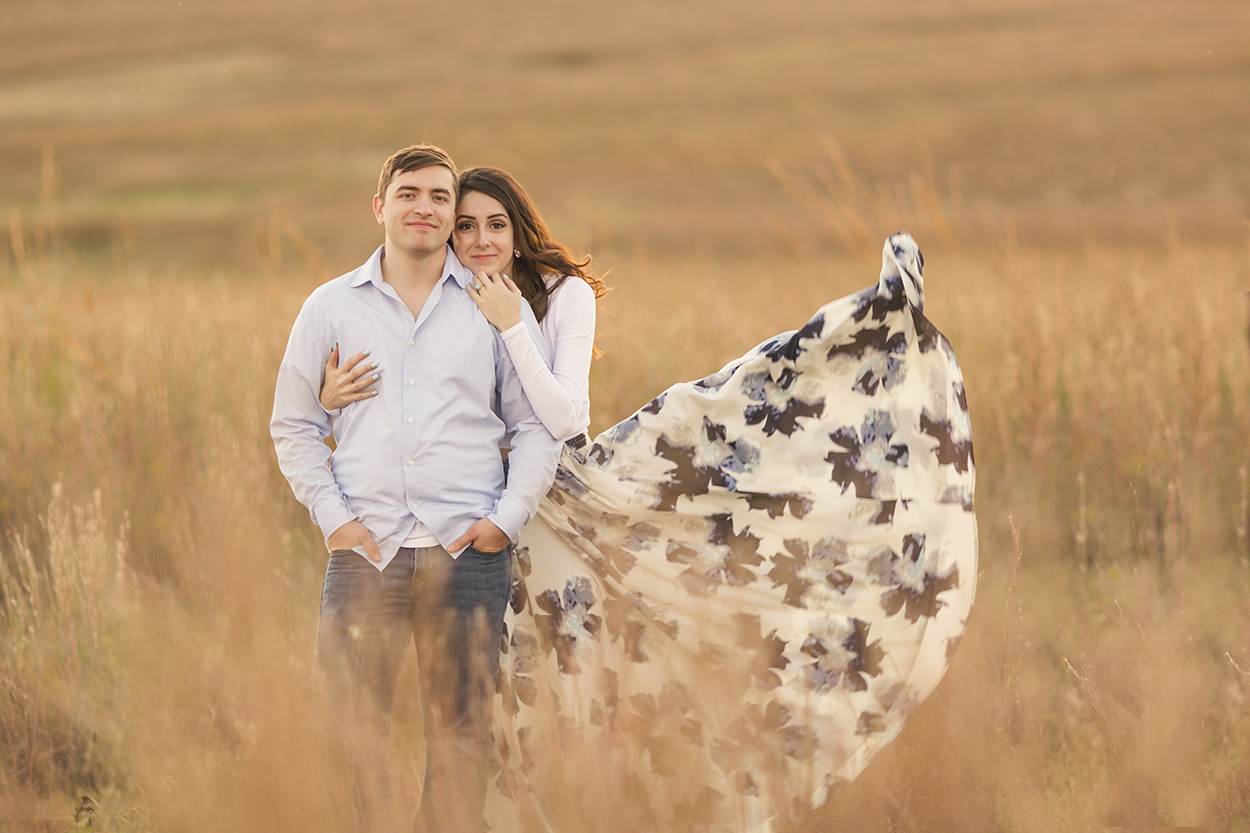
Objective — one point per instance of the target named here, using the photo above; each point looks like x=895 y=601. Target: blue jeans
x=452 y=610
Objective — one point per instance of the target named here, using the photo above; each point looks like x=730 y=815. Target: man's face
x=419 y=210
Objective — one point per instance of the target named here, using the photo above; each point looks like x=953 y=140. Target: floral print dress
x=735 y=597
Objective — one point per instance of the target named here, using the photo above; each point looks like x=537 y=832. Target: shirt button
x=410 y=343
x=414 y=506
x=412 y=381
x=410 y=419
x=410 y=462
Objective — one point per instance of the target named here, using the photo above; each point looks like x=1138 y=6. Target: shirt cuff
x=330 y=516
x=510 y=515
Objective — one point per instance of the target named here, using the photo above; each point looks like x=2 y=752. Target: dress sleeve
x=559 y=394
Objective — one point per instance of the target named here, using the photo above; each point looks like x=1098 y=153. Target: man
x=413 y=503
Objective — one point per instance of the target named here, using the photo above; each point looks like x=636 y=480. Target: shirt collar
x=453 y=268
x=371 y=272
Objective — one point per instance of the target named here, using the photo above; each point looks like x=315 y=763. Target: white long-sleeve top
x=559 y=393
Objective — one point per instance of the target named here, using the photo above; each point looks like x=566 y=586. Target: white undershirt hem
x=420 y=537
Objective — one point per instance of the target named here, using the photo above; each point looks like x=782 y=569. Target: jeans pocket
x=484 y=554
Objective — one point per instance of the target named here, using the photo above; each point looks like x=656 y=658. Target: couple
x=415 y=505
x=728 y=602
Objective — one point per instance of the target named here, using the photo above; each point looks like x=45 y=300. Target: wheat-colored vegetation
x=175 y=180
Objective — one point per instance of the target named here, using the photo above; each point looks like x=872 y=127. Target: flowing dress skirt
x=735 y=597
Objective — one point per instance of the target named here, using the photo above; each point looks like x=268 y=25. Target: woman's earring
x=516 y=252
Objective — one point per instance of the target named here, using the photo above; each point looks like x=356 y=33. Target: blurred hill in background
x=185 y=131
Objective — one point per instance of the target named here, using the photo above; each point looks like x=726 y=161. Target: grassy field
x=175 y=179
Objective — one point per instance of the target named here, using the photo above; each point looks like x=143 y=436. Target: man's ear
x=377 y=209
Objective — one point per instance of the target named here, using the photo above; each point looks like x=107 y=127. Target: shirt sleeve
x=299 y=425
x=558 y=393
x=532 y=460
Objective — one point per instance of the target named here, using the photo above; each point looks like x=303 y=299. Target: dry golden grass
x=162 y=583
x=176 y=179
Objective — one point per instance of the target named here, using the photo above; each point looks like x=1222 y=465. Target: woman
x=501 y=236
x=731 y=600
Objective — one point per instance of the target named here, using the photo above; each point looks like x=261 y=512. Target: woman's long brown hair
x=540 y=254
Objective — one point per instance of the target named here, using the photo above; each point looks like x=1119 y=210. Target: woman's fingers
x=479 y=287
x=361 y=374
x=348 y=381
x=489 y=280
x=499 y=303
x=365 y=379
x=354 y=360
x=482 y=282
x=505 y=284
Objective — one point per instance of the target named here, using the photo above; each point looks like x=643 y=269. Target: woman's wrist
x=507 y=322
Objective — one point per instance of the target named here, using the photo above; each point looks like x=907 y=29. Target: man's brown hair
x=414 y=158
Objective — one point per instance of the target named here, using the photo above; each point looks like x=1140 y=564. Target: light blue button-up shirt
x=427 y=446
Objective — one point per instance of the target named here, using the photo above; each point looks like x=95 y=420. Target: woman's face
x=483 y=235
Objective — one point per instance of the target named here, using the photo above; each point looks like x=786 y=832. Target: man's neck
x=412 y=275
x=410 y=270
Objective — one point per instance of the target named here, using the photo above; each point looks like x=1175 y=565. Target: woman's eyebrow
x=502 y=214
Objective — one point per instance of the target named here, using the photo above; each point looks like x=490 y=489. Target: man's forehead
x=428 y=178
